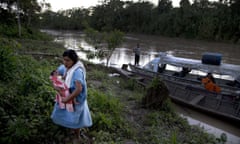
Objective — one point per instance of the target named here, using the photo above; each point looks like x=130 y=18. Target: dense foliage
x=201 y=19
x=26 y=98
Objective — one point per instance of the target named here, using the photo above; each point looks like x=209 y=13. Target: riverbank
x=115 y=104
x=146 y=125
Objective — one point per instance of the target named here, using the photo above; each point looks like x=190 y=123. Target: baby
x=64 y=92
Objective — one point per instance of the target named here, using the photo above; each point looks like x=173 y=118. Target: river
x=150 y=47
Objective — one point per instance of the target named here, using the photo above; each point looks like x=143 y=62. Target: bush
x=7 y=59
x=107 y=116
x=28 y=100
x=106 y=111
x=11 y=31
x=156 y=94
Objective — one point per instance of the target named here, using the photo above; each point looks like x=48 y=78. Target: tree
x=113 y=39
x=235 y=7
x=164 y=6
x=21 y=10
x=19 y=19
x=107 y=16
x=30 y=8
x=184 y=23
x=104 y=43
x=201 y=3
x=184 y=4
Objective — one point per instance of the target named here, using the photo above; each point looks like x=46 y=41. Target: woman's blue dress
x=81 y=116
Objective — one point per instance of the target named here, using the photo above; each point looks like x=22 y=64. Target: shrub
x=107 y=117
x=7 y=59
x=27 y=104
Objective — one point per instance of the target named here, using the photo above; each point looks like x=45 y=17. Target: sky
x=68 y=4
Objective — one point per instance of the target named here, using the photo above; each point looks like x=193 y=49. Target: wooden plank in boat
x=197 y=99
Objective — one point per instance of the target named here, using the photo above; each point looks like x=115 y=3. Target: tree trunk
x=19 y=20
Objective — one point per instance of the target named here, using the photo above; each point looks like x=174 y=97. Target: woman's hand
x=65 y=99
x=57 y=88
x=74 y=94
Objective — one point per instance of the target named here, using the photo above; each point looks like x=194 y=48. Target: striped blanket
x=64 y=92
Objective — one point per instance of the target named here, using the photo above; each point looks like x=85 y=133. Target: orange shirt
x=210 y=86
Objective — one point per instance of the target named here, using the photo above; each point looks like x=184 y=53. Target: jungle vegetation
x=27 y=96
x=197 y=19
x=27 y=99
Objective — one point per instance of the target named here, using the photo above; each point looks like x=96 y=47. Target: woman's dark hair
x=71 y=54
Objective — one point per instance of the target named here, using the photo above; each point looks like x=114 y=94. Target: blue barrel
x=211 y=58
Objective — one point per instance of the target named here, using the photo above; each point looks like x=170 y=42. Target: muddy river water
x=150 y=47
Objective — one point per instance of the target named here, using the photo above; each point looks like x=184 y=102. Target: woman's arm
x=75 y=93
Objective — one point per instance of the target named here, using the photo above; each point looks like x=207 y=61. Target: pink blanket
x=64 y=92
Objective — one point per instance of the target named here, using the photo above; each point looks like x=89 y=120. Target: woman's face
x=67 y=62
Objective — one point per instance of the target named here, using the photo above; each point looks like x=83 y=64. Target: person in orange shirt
x=209 y=83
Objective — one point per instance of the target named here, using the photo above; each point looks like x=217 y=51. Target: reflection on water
x=83 y=55
x=231 y=139
x=125 y=56
x=210 y=124
x=150 y=47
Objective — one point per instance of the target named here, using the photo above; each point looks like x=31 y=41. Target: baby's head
x=54 y=73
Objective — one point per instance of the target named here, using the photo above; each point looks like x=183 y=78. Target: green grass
x=27 y=98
